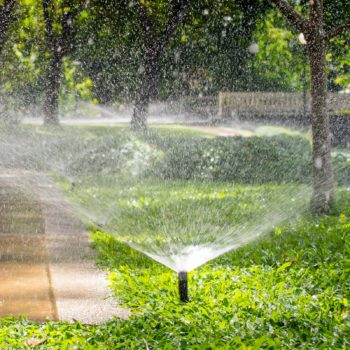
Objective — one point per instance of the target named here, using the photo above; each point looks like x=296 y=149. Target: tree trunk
x=146 y=91
x=6 y=18
x=317 y=39
x=53 y=90
x=140 y=112
x=323 y=191
x=59 y=46
x=154 y=48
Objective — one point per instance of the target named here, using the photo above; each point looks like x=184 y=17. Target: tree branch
x=47 y=8
x=67 y=33
x=146 y=23
x=292 y=15
x=60 y=43
x=177 y=14
x=338 y=30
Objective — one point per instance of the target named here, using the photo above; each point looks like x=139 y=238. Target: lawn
x=288 y=288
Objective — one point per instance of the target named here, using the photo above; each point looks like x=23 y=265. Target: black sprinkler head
x=183 y=286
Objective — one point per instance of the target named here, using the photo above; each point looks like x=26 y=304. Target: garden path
x=47 y=269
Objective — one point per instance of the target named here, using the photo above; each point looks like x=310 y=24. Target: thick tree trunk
x=323 y=191
x=53 y=90
x=140 y=112
x=154 y=48
x=317 y=39
x=6 y=18
x=146 y=91
x=59 y=46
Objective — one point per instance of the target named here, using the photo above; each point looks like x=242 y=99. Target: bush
x=341 y=165
x=124 y=155
x=279 y=159
x=340 y=129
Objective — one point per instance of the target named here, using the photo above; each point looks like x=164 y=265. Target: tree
x=207 y=52
x=6 y=18
x=317 y=39
x=154 y=46
x=279 y=64
x=59 y=44
x=210 y=51
x=108 y=46
x=217 y=32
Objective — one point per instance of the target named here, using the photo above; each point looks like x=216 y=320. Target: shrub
x=123 y=155
x=279 y=159
x=341 y=165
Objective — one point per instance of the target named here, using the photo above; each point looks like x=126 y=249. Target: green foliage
x=173 y=153
x=25 y=61
x=339 y=61
x=341 y=165
x=76 y=86
x=236 y=159
x=243 y=160
x=208 y=53
x=126 y=155
x=281 y=59
x=22 y=58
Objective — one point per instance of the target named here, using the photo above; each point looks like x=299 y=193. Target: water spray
x=183 y=286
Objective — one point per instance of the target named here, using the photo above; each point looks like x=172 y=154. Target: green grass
x=166 y=216
x=166 y=130
x=290 y=289
x=270 y=130
x=175 y=130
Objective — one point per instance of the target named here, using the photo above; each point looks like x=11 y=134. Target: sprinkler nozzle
x=183 y=286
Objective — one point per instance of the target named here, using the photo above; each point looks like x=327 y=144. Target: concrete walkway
x=47 y=269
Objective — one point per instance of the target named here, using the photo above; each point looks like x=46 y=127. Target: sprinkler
x=183 y=286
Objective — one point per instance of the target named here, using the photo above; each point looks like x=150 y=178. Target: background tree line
x=96 y=50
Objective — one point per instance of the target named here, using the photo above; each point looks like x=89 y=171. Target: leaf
x=284 y=266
